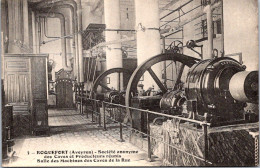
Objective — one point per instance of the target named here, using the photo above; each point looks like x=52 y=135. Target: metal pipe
x=45 y=27
x=80 y=51
x=99 y=118
x=25 y=22
x=104 y=115
x=46 y=3
x=17 y=22
x=180 y=16
x=222 y=31
x=92 y=113
x=37 y=42
x=13 y=27
x=69 y=27
x=206 y=144
x=39 y=32
x=73 y=4
x=177 y=9
x=208 y=11
x=148 y=138
x=81 y=100
x=164 y=63
x=121 y=125
x=63 y=41
x=73 y=28
x=34 y=33
x=156 y=113
x=5 y=29
x=2 y=56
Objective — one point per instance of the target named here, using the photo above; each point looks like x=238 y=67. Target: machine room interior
x=140 y=69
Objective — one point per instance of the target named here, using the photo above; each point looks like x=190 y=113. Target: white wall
x=241 y=30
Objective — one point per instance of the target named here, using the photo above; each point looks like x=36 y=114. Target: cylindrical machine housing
x=208 y=83
x=243 y=86
x=172 y=99
x=114 y=97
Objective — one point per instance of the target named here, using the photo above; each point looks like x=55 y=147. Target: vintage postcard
x=129 y=83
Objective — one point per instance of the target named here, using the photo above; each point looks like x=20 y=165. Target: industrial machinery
x=219 y=88
x=212 y=94
x=216 y=90
x=113 y=95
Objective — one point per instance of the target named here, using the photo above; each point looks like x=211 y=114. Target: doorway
x=64 y=97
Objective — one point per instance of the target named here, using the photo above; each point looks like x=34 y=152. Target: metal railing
x=98 y=114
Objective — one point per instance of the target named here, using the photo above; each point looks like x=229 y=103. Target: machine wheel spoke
x=146 y=66
x=157 y=80
x=104 y=86
x=178 y=80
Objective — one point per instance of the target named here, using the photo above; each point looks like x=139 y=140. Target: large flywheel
x=178 y=59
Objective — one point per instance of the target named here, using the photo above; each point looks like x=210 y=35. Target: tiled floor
x=72 y=131
x=66 y=117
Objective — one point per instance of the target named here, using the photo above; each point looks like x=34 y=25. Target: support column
x=25 y=23
x=208 y=11
x=4 y=25
x=68 y=30
x=113 y=51
x=14 y=27
x=69 y=47
x=37 y=39
x=148 y=40
x=80 y=48
x=2 y=56
x=34 y=33
x=75 y=43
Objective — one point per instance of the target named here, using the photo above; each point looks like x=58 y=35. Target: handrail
x=104 y=104
x=153 y=112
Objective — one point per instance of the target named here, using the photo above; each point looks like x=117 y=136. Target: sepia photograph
x=150 y=83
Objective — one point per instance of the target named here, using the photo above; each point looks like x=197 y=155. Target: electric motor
x=207 y=83
x=114 y=96
x=172 y=99
x=243 y=86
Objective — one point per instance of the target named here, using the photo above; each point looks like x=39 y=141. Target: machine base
x=228 y=145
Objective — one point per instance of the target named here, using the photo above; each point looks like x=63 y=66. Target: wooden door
x=64 y=98
x=25 y=86
x=17 y=80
